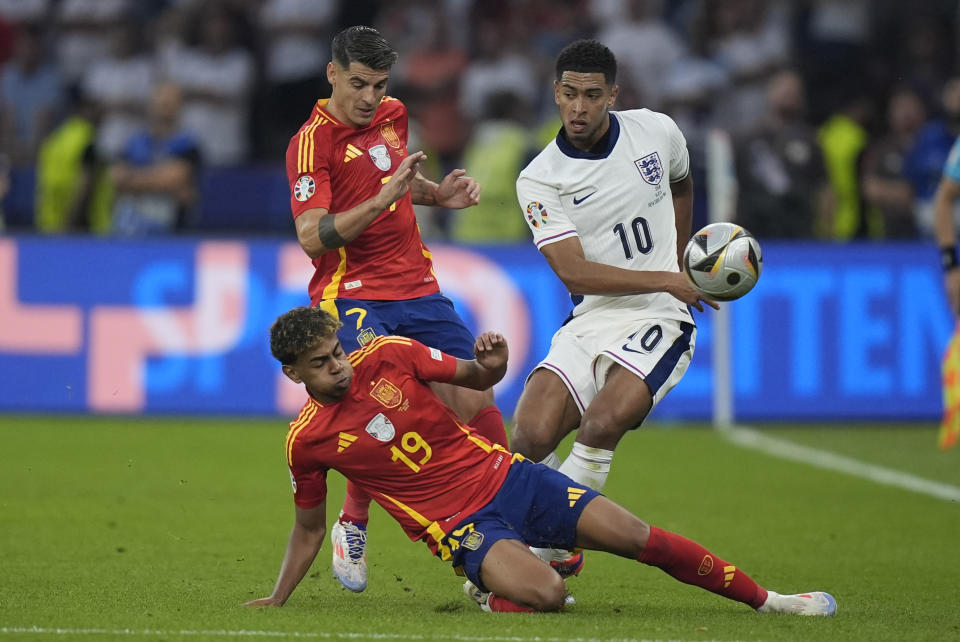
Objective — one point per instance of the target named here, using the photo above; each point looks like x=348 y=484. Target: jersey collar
x=601 y=150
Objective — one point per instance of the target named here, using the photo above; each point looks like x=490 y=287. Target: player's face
x=584 y=100
x=324 y=370
x=357 y=91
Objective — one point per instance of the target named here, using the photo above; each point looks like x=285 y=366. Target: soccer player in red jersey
x=353 y=185
x=372 y=416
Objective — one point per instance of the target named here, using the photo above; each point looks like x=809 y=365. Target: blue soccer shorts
x=536 y=505
x=432 y=320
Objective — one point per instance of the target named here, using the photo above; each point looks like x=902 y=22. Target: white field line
x=751 y=438
x=314 y=635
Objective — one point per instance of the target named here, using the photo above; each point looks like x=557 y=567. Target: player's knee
x=600 y=429
x=531 y=438
x=550 y=595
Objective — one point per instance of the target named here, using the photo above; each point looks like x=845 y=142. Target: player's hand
x=951 y=280
x=264 y=601
x=680 y=287
x=490 y=349
x=399 y=183
x=457 y=190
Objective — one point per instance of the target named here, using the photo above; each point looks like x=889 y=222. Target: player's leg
x=433 y=321
x=361 y=322
x=545 y=414
x=516 y=577
x=607 y=526
x=633 y=374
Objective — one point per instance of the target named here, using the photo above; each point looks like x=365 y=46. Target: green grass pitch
x=136 y=529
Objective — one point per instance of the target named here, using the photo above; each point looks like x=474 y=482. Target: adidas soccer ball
x=723 y=261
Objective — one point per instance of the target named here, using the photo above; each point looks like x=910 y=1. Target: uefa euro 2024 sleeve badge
x=304 y=188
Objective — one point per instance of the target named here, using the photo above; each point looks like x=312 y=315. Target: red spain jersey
x=394 y=438
x=334 y=166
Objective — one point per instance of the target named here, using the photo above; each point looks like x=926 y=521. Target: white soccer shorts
x=656 y=350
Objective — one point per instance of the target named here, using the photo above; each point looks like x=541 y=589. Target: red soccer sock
x=503 y=605
x=489 y=423
x=691 y=563
x=356 y=505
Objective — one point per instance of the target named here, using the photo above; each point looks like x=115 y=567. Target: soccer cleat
x=349 y=554
x=814 y=603
x=569 y=565
x=478 y=596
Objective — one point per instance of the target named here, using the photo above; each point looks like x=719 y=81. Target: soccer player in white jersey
x=610 y=203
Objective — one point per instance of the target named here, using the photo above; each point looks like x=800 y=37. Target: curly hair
x=364 y=45
x=588 y=57
x=298 y=330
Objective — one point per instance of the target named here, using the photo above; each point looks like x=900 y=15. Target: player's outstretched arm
x=319 y=230
x=589 y=277
x=456 y=191
x=489 y=366
x=307 y=535
x=946 y=235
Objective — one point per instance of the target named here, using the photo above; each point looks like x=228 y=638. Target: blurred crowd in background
x=140 y=117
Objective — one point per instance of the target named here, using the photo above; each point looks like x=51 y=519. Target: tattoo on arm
x=328 y=233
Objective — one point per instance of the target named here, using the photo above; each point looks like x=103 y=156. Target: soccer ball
x=723 y=261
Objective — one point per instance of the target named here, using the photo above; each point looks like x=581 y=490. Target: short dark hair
x=298 y=330
x=588 y=57
x=364 y=45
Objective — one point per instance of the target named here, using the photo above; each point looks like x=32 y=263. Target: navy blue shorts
x=432 y=320
x=536 y=505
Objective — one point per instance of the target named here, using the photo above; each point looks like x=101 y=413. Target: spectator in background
x=499 y=148
x=155 y=178
x=498 y=65
x=73 y=193
x=780 y=172
x=294 y=36
x=843 y=139
x=19 y=13
x=31 y=98
x=926 y=158
x=83 y=28
x=885 y=184
x=217 y=78
x=121 y=83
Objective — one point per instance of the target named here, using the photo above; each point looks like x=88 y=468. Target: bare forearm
x=301 y=551
x=586 y=277
x=423 y=191
x=471 y=374
x=319 y=231
x=944 y=228
x=683 y=214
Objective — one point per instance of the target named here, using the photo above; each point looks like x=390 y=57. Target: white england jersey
x=618 y=202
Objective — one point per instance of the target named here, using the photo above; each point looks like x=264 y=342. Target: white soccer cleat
x=349 y=554
x=814 y=603
x=478 y=596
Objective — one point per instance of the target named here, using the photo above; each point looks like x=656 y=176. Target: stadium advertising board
x=180 y=326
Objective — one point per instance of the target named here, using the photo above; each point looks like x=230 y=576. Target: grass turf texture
x=163 y=528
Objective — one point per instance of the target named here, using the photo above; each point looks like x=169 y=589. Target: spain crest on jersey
x=390 y=135
x=381 y=157
x=651 y=169
x=304 y=188
x=387 y=394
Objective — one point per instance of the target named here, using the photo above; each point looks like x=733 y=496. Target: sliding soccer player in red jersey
x=353 y=186
x=372 y=416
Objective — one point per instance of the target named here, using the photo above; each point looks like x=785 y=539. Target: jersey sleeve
x=952 y=167
x=679 y=156
x=309 y=487
x=308 y=172
x=543 y=212
x=430 y=364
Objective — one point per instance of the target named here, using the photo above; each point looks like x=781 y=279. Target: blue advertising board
x=180 y=326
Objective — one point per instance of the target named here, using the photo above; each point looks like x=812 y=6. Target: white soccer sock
x=552 y=460
x=588 y=466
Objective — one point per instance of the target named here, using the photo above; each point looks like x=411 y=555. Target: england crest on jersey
x=651 y=169
x=381 y=157
x=381 y=428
